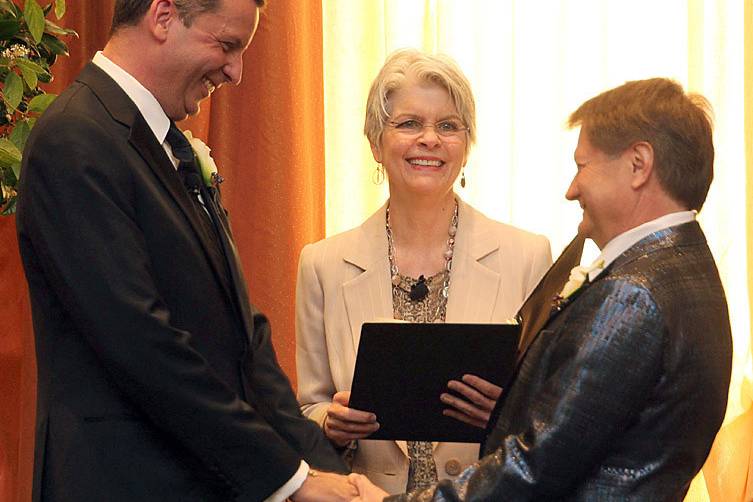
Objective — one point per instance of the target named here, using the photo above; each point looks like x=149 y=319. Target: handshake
x=328 y=486
x=344 y=424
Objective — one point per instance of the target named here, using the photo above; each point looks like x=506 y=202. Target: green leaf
x=8 y=7
x=59 y=8
x=51 y=27
x=9 y=154
x=8 y=28
x=20 y=134
x=31 y=65
x=10 y=207
x=13 y=89
x=55 y=45
x=34 y=19
x=39 y=104
x=28 y=72
x=30 y=77
x=16 y=166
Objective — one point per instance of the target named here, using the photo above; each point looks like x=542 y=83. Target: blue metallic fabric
x=620 y=396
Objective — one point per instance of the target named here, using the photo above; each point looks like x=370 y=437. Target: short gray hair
x=435 y=68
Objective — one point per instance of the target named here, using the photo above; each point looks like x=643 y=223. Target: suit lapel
x=537 y=309
x=141 y=138
x=230 y=253
x=143 y=141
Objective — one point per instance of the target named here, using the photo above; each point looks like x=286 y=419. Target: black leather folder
x=402 y=368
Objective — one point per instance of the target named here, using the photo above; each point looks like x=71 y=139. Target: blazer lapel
x=474 y=295
x=368 y=296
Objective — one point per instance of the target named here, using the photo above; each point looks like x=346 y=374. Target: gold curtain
x=17 y=366
x=267 y=138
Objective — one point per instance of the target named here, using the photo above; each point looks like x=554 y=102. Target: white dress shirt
x=159 y=123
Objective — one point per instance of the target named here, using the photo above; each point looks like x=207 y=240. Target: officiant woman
x=424 y=256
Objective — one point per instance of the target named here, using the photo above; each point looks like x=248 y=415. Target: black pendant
x=419 y=290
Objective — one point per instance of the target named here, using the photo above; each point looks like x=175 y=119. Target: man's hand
x=343 y=424
x=325 y=487
x=480 y=398
x=367 y=491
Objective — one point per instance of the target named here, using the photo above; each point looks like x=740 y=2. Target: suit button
x=452 y=467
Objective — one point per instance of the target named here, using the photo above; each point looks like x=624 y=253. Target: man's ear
x=160 y=16
x=642 y=163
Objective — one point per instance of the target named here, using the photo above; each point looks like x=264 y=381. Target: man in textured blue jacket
x=620 y=394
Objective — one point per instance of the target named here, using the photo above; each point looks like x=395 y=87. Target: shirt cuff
x=292 y=484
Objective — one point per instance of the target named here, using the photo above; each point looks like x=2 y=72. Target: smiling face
x=205 y=55
x=424 y=162
x=602 y=186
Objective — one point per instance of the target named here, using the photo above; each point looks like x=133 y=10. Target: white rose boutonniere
x=206 y=163
x=578 y=276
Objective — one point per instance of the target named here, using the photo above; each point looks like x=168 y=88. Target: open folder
x=402 y=368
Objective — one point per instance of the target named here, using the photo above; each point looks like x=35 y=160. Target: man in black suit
x=157 y=378
x=620 y=393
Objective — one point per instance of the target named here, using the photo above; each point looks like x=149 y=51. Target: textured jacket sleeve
x=601 y=363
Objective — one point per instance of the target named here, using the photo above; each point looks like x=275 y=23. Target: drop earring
x=462 y=178
x=378 y=176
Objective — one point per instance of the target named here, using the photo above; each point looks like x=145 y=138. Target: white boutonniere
x=206 y=163
x=578 y=276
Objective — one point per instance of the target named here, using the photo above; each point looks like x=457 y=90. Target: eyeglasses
x=446 y=128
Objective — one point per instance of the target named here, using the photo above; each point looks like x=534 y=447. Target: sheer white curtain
x=531 y=63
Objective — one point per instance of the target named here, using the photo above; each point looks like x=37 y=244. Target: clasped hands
x=330 y=487
x=471 y=401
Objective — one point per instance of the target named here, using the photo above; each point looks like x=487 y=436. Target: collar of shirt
x=625 y=240
x=144 y=100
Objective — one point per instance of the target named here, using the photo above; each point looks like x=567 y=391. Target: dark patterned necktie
x=187 y=166
x=213 y=218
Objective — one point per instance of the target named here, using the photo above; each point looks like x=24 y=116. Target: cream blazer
x=344 y=281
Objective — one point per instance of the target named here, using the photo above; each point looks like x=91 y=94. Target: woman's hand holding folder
x=343 y=424
x=475 y=403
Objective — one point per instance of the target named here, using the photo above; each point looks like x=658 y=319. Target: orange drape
x=267 y=138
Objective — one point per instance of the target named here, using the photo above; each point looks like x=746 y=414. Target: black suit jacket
x=157 y=381
x=620 y=395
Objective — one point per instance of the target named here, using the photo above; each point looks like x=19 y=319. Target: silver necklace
x=419 y=290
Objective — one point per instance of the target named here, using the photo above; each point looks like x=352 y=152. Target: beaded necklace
x=420 y=289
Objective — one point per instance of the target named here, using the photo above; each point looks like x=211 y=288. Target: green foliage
x=29 y=44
